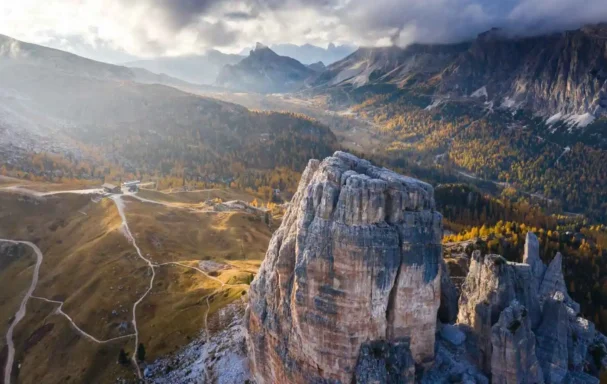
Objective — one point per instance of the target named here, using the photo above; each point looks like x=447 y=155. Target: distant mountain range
x=199 y=69
x=133 y=118
x=265 y=71
x=310 y=54
x=562 y=76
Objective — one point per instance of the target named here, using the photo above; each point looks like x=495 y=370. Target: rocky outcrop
x=580 y=337
x=555 y=282
x=356 y=260
x=513 y=358
x=384 y=362
x=504 y=312
x=552 y=339
x=447 y=312
x=532 y=257
x=491 y=285
x=350 y=288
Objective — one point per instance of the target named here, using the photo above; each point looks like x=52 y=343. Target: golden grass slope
x=91 y=267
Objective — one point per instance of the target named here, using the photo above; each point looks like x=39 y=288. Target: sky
x=122 y=30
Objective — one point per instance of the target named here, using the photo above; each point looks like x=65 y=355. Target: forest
x=513 y=149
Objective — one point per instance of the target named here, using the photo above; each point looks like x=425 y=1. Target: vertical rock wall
x=355 y=260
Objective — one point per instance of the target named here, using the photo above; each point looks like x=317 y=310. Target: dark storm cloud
x=216 y=34
x=404 y=21
x=182 y=13
x=240 y=15
x=173 y=27
x=451 y=20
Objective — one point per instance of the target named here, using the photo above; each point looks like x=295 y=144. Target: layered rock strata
x=517 y=328
x=490 y=287
x=447 y=312
x=514 y=359
x=355 y=261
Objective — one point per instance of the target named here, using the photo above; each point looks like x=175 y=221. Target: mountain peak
x=259 y=46
x=492 y=34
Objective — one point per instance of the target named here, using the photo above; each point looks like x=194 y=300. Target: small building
x=132 y=186
x=111 y=188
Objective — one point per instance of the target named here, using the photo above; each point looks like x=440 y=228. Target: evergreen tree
x=140 y=352
x=122 y=357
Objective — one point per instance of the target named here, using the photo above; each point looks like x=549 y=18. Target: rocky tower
x=522 y=324
x=351 y=276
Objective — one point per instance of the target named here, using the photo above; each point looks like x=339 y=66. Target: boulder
x=452 y=334
x=355 y=260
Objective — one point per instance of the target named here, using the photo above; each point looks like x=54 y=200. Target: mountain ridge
x=559 y=73
x=198 y=69
x=265 y=71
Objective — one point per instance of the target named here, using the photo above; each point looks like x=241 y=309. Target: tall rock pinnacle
x=532 y=257
x=351 y=277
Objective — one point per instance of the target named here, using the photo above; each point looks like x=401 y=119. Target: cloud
x=239 y=15
x=113 y=29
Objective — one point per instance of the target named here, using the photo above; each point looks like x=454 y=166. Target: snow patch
x=482 y=91
x=510 y=103
x=580 y=121
x=554 y=118
x=572 y=120
x=434 y=104
x=489 y=106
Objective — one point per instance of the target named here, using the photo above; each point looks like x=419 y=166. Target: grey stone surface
x=580 y=336
x=552 y=336
x=447 y=312
x=491 y=285
x=353 y=289
x=580 y=378
x=356 y=259
x=513 y=358
x=555 y=282
x=532 y=257
x=384 y=362
x=452 y=334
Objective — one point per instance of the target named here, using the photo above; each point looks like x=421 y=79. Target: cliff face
x=560 y=75
x=355 y=261
x=491 y=286
x=514 y=359
x=350 y=290
x=523 y=323
x=563 y=72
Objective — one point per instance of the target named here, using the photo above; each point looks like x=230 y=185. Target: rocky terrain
x=559 y=76
x=353 y=283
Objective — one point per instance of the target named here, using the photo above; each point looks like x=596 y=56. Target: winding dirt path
x=59 y=311
x=22 y=309
x=120 y=206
